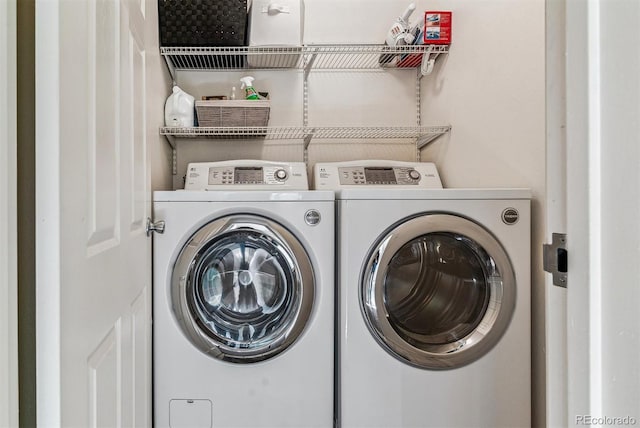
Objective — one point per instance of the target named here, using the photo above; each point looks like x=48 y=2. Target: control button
x=510 y=216
x=414 y=175
x=312 y=217
x=280 y=174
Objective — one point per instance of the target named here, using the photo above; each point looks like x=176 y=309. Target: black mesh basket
x=202 y=22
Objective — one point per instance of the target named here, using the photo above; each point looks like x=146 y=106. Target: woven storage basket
x=233 y=112
x=202 y=22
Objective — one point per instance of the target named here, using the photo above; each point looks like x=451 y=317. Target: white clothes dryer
x=433 y=312
x=243 y=296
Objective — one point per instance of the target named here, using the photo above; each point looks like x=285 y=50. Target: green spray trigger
x=247 y=85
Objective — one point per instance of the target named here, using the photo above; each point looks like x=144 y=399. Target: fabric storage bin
x=276 y=24
x=202 y=22
x=215 y=113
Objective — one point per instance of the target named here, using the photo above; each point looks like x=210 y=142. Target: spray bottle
x=247 y=85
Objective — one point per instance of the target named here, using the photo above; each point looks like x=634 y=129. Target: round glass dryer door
x=243 y=288
x=438 y=291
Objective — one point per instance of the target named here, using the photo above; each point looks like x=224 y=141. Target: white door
x=92 y=200
x=602 y=323
x=8 y=234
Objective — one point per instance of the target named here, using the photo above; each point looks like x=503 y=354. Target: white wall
x=490 y=88
x=158 y=87
x=556 y=297
x=335 y=98
x=8 y=232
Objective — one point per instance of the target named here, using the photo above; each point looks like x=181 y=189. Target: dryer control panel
x=247 y=175
x=339 y=175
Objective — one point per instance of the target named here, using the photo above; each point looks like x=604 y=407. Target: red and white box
x=437 y=27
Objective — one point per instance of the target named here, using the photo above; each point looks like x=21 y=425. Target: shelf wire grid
x=321 y=57
x=237 y=132
x=425 y=133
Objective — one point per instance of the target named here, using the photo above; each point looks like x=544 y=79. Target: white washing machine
x=433 y=310
x=243 y=302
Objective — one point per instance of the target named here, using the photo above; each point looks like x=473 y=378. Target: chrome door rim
x=182 y=285
x=465 y=350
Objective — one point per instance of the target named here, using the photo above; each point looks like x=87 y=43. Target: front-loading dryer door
x=242 y=288
x=437 y=291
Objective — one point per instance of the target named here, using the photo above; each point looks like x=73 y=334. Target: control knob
x=414 y=175
x=280 y=174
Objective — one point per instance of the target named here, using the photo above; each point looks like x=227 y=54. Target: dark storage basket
x=202 y=22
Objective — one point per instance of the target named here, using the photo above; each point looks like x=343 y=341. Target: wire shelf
x=321 y=57
x=307 y=57
x=377 y=132
x=237 y=132
x=423 y=134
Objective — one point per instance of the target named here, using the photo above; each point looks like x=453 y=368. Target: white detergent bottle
x=247 y=85
x=178 y=109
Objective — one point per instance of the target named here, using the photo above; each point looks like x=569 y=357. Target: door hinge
x=555 y=258
x=158 y=226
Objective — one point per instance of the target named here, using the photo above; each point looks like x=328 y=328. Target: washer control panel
x=379 y=175
x=247 y=175
x=375 y=173
x=250 y=175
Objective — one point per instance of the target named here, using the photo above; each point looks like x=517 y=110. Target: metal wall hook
x=428 y=62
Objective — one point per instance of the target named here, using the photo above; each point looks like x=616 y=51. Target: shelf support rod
x=309 y=64
x=305 y=101
x=174 y=153
x=307 y=141
x=425 y=139
x=418 y=103
x=174 y=161
x=170 y=67
x=171 y=140
x=418 y=112
x=305 y=105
